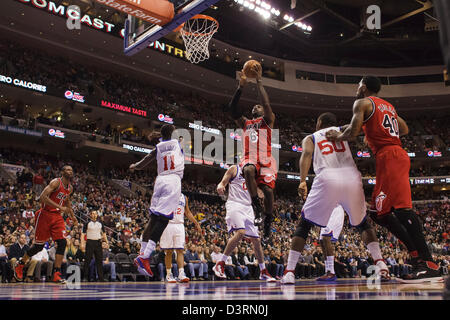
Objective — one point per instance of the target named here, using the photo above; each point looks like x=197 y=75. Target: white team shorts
x=241 y=216
x=166 y=195
x=332 y=187
x=335 y=224
x=173 y=237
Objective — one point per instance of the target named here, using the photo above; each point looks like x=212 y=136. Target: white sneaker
x=288 y=278
x=384 y=270
x=182 y=277
x=170 y=278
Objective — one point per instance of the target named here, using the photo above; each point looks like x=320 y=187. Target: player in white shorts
x=173 y=238
x=166 y=193
x=328 y=235
x=240 y=219
x=337 y=182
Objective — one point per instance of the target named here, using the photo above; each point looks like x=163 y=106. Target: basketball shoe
x=57 y=278
x=384 y=270
x=182 y=277
x=288 y=277
x=426 y=271
x=219 y=270
x=327 y=277
x=170 y=278
x=265 y=275
x=143 y=266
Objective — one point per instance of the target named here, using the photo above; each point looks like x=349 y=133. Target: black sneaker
x=257 y=209
x=426 y=271
x=267 y=225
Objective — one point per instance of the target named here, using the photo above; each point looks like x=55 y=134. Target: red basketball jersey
x=59 y=196
x=257 y=138
x=381 y=127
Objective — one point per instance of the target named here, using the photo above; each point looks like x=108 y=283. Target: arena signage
x=434 y=154
x=165 y=118
x=136 y=148
x=56 y=133
x=21 y=130
x=297 y=148
x=363 y=154
x=75 y=96
x=205 y=129
x=121 y=108
x=23 y=83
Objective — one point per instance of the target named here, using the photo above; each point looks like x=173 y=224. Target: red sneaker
x=265 y=275
x=143 y=266
x=219 y=270
x=57 y=278
x=18 y=271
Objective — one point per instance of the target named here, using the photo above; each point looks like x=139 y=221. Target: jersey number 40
x=392 y=124
x=327 y=147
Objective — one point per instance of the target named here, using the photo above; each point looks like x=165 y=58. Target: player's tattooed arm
x=269 y=116
x=305 y=165
x=402 y=126
x=360 y=109
x=230 y=174
x=45 y=195
x=149 y=158
x=236 y=112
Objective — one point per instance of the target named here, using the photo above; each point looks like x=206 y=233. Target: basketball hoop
x=196 y=33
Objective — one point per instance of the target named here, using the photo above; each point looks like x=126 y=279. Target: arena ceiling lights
x=299 y=24
x=260 y=7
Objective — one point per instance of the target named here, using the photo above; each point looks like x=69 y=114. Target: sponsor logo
x=363 y=154
x=56 y=133
x=434 y=154
x=165 y=118
x=75 y=96
x=297 y=148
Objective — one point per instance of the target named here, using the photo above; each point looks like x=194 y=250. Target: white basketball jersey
x=170 y=158
x=329 y=154
x=178 y=215
x=237 y=189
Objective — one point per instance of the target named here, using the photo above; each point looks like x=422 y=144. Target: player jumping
x=166 y=193
x=55 y=200
x=392 y=193
x=240 y=219
x=258 y=165
x=337 y=181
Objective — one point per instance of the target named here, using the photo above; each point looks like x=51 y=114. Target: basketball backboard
x=140 y=33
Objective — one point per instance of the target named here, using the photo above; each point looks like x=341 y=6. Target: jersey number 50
x=327 y=147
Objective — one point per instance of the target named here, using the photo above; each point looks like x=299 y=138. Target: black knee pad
x=160 y=225
x=364 y=226
x=35 y=249
x=303 y=229
x=61 y=246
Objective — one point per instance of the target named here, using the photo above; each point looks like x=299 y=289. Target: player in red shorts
x=49 y=223
x=392 y=193
x=258 y=164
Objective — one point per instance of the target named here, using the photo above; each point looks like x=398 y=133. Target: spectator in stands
x=241 y=270
x=5 y=272
x=109 y=267
x=43 y=264
x=192 y=261
x=252 y=264
x=16 y=251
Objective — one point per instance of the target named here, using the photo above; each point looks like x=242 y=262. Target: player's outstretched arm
x=236 y=112
x=144 y=162
x=231 y=172
x=305 y=164
x=361 y=107
x=45 y=196
x=402 y=126
x=191 y=218
x=269 y=116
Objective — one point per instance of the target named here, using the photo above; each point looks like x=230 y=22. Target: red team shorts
x=266 y=173
x=49 y=225
x=392 y=188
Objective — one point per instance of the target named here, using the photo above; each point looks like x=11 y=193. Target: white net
x=196 y=33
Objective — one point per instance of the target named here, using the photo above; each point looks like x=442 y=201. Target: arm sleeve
x=233 y=105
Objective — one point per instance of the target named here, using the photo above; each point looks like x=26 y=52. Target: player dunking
x=392 y=193
x=166 y=193
x=55 y=200
x=337 y=182
x=258 y=165
x=173 y=238
x=240 y=219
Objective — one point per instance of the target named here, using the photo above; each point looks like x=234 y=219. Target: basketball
x=248 y=68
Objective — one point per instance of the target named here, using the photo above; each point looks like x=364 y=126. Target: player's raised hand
x=242 y=79
x=257 y=68
x=303 y=190
x=132 y=167
x=332 y=135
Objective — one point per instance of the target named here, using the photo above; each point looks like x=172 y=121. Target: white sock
x=329 y=264
x=143 y=246
x=151 y=245
x=181 y=271
x=224 y=258
x=292 y=259
x=169 y=271
x=375 y=251
x=262 y=266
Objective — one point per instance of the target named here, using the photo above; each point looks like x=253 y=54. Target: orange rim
x=198 y=16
